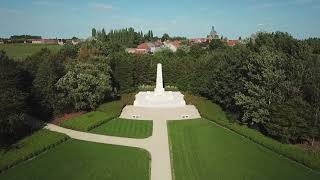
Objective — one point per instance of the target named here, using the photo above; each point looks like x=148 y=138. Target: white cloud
x=41 y=3
x=284 y=4
x=101 y=6
x=9 y=11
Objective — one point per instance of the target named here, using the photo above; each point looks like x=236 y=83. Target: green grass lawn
x=29 y=147
x=87 y=121
x=105 y=112
x=125 y=128
x=213 y=112
x=202 y=150
x=21 y=51
x=84 y=161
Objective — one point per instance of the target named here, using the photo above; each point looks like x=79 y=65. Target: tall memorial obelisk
x=159 y=97
x=159 y=90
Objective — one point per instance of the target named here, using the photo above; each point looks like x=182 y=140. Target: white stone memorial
x=159 y=97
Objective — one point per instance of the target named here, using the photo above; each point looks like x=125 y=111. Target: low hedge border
x=307 y=158
x=86 y=129
x=111 y=109
x=22 y=157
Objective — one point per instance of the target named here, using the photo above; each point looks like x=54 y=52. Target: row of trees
x=46 y=85
x=128 y=37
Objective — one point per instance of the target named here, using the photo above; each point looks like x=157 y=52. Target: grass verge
x=213 y=112
x=29 y=147
x=201 y=149
x=104 y=113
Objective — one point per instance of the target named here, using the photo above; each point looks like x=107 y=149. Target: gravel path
x=157 y=144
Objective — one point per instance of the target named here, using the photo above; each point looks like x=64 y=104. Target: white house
x=172 y=45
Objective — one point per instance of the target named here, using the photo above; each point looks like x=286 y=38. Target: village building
x=232 y=42
x=172 y=45
x=44 y=41
x=199 y=40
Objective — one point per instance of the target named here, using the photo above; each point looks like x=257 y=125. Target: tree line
x=271 y=83
x=128 y=37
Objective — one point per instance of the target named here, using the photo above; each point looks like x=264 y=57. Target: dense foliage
x=271 y=83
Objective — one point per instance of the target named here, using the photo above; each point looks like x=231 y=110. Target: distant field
x=203 y=150
x=83 y=161
x=125 y=128
x=21 y=51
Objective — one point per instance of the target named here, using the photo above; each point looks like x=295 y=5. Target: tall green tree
x=262 y=87
x=48 y=74
x=94 y=32
x=13 y=108
x=86 y=84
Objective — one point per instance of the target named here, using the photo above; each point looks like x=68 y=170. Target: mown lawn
x=214 y=112
x=87 y=121
x=104 y=113
x=125 y=128
x=202 y=150
x=21 y=51
x=83 y=161
x=29 y=147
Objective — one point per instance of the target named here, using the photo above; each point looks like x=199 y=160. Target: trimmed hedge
x=30 y=147
x=103 y=114
x=87 y=121
x=213 y=112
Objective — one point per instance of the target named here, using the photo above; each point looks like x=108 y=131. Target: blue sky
x=190 y=18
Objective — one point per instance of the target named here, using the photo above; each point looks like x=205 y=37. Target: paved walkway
x=157 y=144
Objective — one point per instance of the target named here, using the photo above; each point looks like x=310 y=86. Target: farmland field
x=125 y=128
x=21 y=51
x=201 y=149
x=82 y=161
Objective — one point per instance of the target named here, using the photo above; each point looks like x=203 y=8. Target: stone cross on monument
x=159 y=90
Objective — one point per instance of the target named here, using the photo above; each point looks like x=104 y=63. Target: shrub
x=105 y=112
x=87 y=121
x=213 y=112
x=29 y=147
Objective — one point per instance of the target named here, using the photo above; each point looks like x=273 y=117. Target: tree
x=12 y=101
x=86 y=84
x=262 y=86
x=94 y=32
x=217 y=44
x=165 y=37
x=48 y=73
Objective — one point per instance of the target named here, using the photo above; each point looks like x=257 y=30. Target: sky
x=189 y=18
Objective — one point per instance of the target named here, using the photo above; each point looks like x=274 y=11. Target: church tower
x=213 y=34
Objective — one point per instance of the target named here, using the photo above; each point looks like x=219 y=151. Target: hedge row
x=213 y=112
x=87 y=121
x=103 y=114
x=30 y=147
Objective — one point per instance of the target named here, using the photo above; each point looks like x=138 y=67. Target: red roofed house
x=232 y=42
x=172 y=45
x=143 y=48
x=199 y=40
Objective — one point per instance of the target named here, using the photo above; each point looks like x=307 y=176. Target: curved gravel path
x=157 y=144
